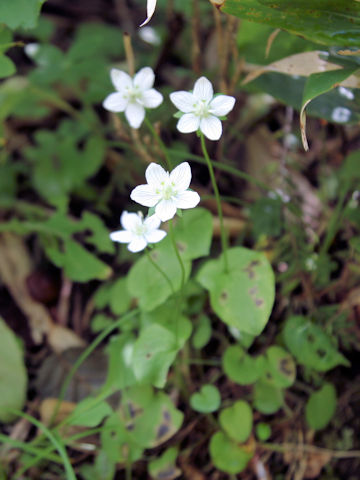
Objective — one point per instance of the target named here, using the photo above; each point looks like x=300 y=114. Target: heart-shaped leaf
x=207 y=400
x=237 y=421
x=243 y=296
x=227 y=455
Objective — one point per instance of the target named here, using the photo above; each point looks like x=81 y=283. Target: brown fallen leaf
x=15 y=267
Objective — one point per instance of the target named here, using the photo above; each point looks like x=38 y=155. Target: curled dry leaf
x=15 y=267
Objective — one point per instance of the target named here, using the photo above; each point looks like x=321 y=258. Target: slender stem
x=4 y=439
x=128 y=470
x=159 y=141
x=85 y=355
x=335 y=221
x=177 y=253
x=155 y=265
x=70 y=474
x=224 y=242
x=181 y=263
x=285 y=447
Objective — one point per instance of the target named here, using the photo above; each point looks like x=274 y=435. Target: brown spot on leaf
x=286 y=366
x=253 y=291
x=259 y=302
x=162 y=431
x=224 y=296
x=181 y=246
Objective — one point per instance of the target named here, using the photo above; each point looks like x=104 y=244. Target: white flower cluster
x=166 y=192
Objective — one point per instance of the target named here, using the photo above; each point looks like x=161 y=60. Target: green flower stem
x=224 y=242
x=160 y=270
x=159 y=141
x=181 y=263
x=70 y=474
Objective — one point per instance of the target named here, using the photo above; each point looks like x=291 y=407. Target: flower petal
x=221 y=105
x=165 y=210
x=137 y=244
x=211 y=127
x=144 y=79
x=145 y=195
x=203 y=89
x=188 y=123
x=150 y=7
x=156 y=176
x=181 y=176
x=115 y=102
x=155 y=236
x=184 y=101
x=135 y=114
x=152 y=98
x=130 y=220
x=121 y=236
x=152 y=223
x=120 y=79
x=187 y=199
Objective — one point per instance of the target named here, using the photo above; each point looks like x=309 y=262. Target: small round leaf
x=227 y=455
x=207 y=400
x=321 y=407
x=237 y=421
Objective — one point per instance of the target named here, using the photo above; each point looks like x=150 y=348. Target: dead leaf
x=48 y=407
x=15 y=267
x=61 y=338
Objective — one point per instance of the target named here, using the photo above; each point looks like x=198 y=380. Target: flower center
x=132 y=93
x=201 y=109
x=168 y=192
x=140 y=229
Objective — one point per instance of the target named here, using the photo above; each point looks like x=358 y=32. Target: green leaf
x=310 y=345
x=151 y=418
x=154 y=352
x=79 y=264
x=179 y=325
x=240 y=367
x=164 y=467
x=148 y=285
x=237 y=421
x=321 y=407
x=317 y=84
x=242 y=297
x=120 y=373
x=280 y=367
x=203 y=331
x=117 y=442
x=20 y=13
x=193 y=233
x=263 y=431
x=207 y=400
x=7 y=66
x=13 y=374
x=90 y=413
x=268 y=399
x=227 y=455
x=329 y=22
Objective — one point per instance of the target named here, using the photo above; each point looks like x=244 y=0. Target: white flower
x=150 y=9
x=166 y=191
x=137 y=231
x=201 y=109
x=133 y=95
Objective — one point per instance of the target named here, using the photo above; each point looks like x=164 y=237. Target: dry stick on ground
x=195 y=51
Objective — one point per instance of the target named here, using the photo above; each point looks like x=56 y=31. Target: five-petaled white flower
x=150 y=9
x=166 y=191
x=133 y=95
x=137 y=231
x=201 y=109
